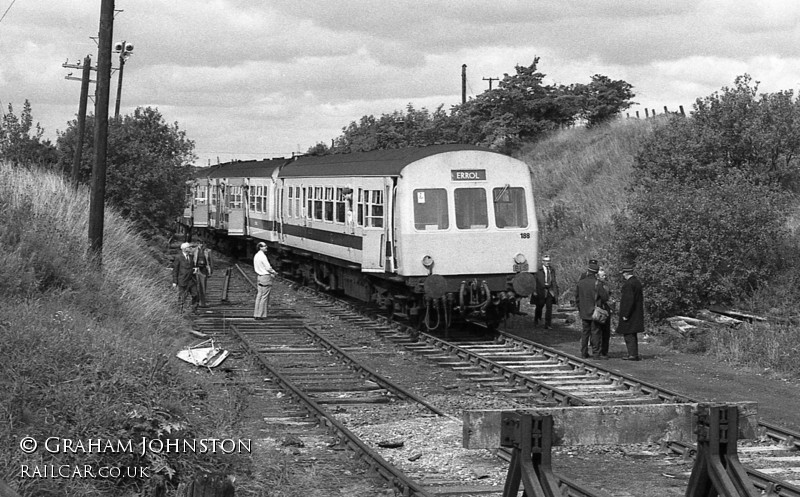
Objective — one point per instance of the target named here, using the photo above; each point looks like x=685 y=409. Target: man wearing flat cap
x=631 y=313
x=588 y=294
x=183 y=277
x=545 y=294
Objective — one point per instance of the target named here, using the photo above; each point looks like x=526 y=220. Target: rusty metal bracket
x=717 y=470
x=530 y=437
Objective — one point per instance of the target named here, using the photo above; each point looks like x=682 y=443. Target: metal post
x=717 y=470
x=531 y=439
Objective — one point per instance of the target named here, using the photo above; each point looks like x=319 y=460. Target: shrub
x=706 y=221
x=702 y=244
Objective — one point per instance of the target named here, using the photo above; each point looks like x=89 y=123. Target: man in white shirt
x=265 y=273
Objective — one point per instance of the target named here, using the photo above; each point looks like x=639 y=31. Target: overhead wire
x=6 y=12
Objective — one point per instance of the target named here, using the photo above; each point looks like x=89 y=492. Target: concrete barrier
x=607 y=425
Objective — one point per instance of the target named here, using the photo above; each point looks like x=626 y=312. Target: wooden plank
x=737 y=314
x=607 y=425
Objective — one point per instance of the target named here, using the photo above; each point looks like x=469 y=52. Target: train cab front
x=483 y=298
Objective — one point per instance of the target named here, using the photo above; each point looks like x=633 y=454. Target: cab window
x=510 y=210
x=430 y=209
x=471 y=211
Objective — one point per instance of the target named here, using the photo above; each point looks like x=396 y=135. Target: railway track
x=515 y=368
x=519 y=368
x=328 y=386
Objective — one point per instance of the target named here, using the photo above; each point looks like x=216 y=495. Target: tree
x=413 y=128
x=603 y=99
x=706 y=220
x=21 y=142
x=148 y=161
x=520 y=110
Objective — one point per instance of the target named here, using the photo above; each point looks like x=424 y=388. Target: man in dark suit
x=183 y=277
x=588 y=294
x=545 y=294
x=631 y=313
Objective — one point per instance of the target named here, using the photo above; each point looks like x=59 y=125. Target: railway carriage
x=235 y=199
x=432 y=233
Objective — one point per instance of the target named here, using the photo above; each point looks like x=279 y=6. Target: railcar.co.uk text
x=143 y=446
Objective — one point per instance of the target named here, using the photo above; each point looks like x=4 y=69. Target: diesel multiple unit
x=433 y=233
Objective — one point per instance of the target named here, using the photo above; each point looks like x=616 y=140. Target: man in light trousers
x=265 y=273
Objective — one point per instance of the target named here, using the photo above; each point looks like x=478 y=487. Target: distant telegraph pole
x=463 y=83
x=97 y=202
x=85 y=80
x=124 y=50
x=490 y=81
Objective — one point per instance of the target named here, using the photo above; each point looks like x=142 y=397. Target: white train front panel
x=469 y=213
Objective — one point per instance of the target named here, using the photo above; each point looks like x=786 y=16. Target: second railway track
x=522 y=373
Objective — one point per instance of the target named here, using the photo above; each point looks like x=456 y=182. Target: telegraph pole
x=97 y=202
x=490 y=81
x=124 y=49
x=463 y=83
x=85 y=80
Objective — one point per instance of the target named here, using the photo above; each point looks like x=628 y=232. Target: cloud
x=275 y=76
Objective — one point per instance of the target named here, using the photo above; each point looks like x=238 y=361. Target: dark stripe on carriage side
x=340 y=239
x=318 y=235
x=261 y=224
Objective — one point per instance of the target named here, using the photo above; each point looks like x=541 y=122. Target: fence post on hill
x=98 y=196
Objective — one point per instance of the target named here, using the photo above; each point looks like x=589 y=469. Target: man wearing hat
x=588 y=294
x=586 y=273
x=545 y=294
x=183 y=277
x=265 y=273
x=631 y=313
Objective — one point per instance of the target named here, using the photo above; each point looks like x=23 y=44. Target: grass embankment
x=86 y=353
x=580 y=177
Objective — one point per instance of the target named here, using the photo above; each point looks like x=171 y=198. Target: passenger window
x=510 y=209
x=471 y=209
x=374 y=208
x=318 y=203
x=340 y=210
x=430 y=209
x=328 y=204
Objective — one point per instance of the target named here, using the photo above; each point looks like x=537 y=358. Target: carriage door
x=372 y=220
x=281 y=186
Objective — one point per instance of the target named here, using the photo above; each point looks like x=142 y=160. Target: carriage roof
x=243 y=169
x=385 y=162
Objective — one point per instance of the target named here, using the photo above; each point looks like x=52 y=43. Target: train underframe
x=432 y=303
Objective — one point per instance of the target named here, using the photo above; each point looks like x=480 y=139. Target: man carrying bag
x=588 y=296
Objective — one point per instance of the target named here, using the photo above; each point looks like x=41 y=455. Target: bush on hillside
x=706 y=221
x=709 y=243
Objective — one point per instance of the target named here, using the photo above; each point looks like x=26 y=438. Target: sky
x=253 y=79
